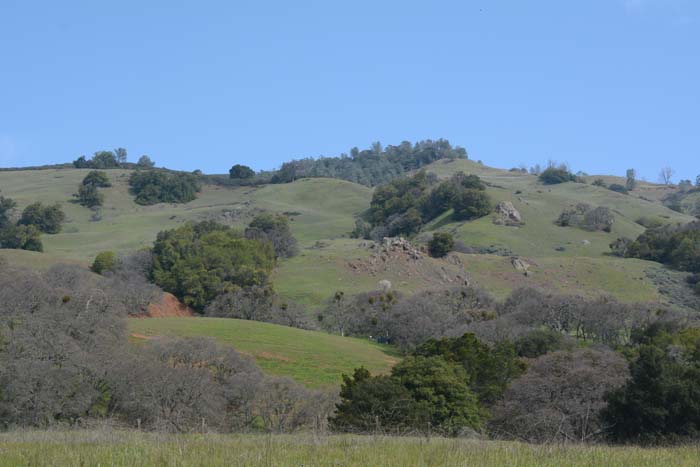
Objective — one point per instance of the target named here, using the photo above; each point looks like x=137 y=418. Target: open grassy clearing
x=540 y=206
x=315 y=359
x=124 y=448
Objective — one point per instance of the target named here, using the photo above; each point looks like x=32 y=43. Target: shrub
x=600 y=218
x=586 y=217
x=273 y=228
x=599 y=182
x=104 y=261
x=153 y=186
x=616 y=187
x=198 y=262
x=441 y=244
x=472 y=204
x=48 y=219
x=556 y=175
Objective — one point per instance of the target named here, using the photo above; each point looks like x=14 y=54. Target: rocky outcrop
x=506 y=214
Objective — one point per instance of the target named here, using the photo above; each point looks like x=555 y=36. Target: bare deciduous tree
x=666 y=175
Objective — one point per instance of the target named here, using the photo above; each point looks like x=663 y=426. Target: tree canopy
x=198 y=262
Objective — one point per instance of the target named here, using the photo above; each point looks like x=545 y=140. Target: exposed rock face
x=393 y=245
x=507 y=214
x=519 y=264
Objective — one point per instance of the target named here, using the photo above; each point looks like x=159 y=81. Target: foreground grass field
x=120 y=448
x=315 y=359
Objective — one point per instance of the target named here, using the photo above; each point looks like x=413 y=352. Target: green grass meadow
x=123 y=448
x=315 y=359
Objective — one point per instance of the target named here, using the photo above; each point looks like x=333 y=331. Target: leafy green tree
x=661 y=401
x=422 y=394
x=439 y=200
x=197 y=262
x=98 y=179
x=145 y=162
x=89 y=196
x=82 y=163
x=21 y=237
x=104 y=160
x=373 y=403
x=6 y=207
x=441 y=244
x=472 y=204
x=488 y=370
x=48 y=219
x=155 y=186
x=242 y=172
x=120 y=155
x=104 y=261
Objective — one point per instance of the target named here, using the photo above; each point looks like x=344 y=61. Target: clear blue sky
x=601 y=84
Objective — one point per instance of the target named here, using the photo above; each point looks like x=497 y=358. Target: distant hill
x=323 y=212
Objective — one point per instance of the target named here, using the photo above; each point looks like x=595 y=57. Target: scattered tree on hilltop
x=242 y=172
x=666 y=175
x=372 y=166
x=631 y=182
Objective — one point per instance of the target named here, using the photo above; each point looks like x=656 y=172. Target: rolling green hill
x=315 y=359
x=323 y=212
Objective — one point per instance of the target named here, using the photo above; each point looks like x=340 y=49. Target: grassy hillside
x=323 y=212
x=122 y=448
x=315 y=359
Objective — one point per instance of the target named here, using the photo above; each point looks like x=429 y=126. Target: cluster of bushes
x=403 y=205
x=88 y=194
x=35 y=219
x=616 y=187
x=102 y=160
x=66 y=359
x=587 y=217
x=156 y=186
x=372 y=166
x=537 y=367
x=675 y=245
x=554 y=175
